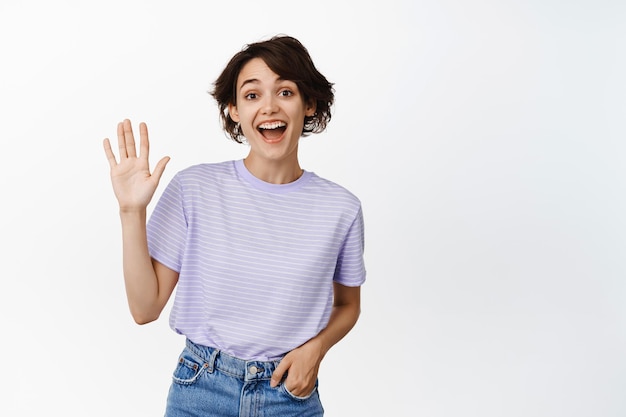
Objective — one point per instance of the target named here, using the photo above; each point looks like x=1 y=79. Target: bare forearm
x=141 y=282
x=342 y=320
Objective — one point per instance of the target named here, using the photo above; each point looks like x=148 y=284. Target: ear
x=311 y=107
x=233 y=113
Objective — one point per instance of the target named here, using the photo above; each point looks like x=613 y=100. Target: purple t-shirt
x=256 y=261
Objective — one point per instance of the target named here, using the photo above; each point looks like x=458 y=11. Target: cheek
x=245 y=114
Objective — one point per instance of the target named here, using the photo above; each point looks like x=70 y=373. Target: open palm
x=132 y=181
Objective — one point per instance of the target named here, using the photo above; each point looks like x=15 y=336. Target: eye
x=250 y=96
x=286 y=93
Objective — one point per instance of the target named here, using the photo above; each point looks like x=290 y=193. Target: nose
x=269 y=104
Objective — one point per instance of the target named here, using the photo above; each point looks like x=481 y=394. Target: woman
x=267 y=258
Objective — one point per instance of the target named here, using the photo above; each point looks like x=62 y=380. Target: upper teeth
x=272 y=125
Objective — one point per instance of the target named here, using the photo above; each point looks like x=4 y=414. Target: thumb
x=160 y=167
x=279 y=372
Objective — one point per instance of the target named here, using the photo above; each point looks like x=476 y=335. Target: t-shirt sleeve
x=350 y=270
x=167 y=227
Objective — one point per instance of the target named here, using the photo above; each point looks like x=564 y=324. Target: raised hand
x=132 y=181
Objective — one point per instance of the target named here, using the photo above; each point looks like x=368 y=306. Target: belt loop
x=212 y=359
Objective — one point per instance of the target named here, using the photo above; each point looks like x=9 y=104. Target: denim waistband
x=239 y=368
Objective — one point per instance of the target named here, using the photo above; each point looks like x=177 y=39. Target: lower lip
x=274 y=141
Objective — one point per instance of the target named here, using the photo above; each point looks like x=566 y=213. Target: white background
x=486 y=140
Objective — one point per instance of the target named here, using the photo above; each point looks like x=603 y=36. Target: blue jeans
x=208 y=382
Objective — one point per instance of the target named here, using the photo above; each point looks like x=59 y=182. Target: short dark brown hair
x=290 y=60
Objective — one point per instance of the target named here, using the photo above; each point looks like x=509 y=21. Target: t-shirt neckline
x=257 y=183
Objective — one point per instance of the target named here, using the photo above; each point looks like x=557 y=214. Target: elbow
x=141 y=321
x=357 y=314
x=142 y=318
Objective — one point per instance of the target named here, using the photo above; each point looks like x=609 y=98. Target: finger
x=121 y=142
x=109 y=153
x=130 y=139
x=279 y=373
x=144 y=143
x=160 y=167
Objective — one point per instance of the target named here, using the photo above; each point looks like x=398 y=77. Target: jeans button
x=253 y=369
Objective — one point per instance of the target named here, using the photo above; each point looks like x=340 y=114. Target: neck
x=274 y=172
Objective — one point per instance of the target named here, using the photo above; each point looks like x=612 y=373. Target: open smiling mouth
x=272 y=131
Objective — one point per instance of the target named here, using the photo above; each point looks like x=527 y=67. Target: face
x=271 y=112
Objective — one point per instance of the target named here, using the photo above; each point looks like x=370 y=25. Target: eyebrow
x=256 y=81
x=249 y=81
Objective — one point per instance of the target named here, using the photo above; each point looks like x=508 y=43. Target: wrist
x=318 y=343
x=132 y=212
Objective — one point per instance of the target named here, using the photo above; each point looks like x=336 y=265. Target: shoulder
x=202 y=178
x=205 y=174
x=329 y=190
x=225 y=168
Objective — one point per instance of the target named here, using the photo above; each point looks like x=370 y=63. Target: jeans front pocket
x=284 y=389
x=189 y=368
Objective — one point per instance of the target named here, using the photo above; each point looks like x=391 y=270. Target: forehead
x=256 y=71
